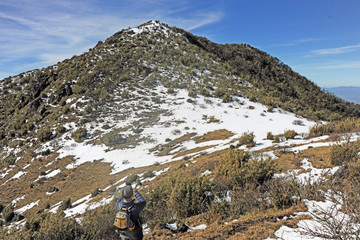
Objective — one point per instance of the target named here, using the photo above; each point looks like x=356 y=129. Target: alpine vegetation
x=168 y=133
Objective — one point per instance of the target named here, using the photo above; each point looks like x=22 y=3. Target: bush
x=8 y=213
x=148 y=174
x=56 y=227
x=132 y=178
x=9 y=160
x=65 y=204
x=283 y=193
x=269 y=136
x=343 y=153
x=96 y=192
x=298 y=122
x=44 y=134
x=244 y=200
x=33 y=224
x=79 y=134
x=247 y=139
x=226 y=98
x=348 y=125
x=276 y=139
x=241 y=169
x=99 y=224
x=155 y=200
x=290 y=134
x=60 y=129
x=189 y=196
x=113 y=138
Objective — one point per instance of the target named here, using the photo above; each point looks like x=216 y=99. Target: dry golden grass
x=221 y=134
x=319 y=158
x=254 y=225
x=167 y=148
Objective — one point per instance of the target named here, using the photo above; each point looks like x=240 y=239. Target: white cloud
x=198 y=21
x=331 y=65
x=297 y=42
x=338 y=50
x=47 y=32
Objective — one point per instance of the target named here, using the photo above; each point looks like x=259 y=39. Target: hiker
x=127 y=203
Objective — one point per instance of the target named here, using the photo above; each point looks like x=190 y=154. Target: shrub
x=348 y=125
x=244 y=200
x=247 y=139
x=33 y=224
x=79 y=134
x=283 y=193
x=96 y=192
x=241 y=169
x=155 y=200
x=9 y=160
x=298 y=122
x=343 y=153
x=65 y=204
x=188 y=196
x=8 y=213
x=276 y=139
x=66 y=109
x=113 y=138
x=226 y=98
x=125 y=162
x=132 y=178
x=56 y=227
x=44 y=134
x=99 y=224
x=60 y=129
x=148 y=174
x=106 y=126
x=62 y=102
x=290 y=134
x=269 y=136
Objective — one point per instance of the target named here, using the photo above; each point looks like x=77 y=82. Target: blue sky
x=319 y=39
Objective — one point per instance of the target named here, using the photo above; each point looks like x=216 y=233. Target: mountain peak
x=149 y=23
x=150 y=26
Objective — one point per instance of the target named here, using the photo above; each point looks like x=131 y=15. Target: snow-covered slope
x=175 y=118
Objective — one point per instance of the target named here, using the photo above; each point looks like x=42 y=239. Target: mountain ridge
x=148 y=103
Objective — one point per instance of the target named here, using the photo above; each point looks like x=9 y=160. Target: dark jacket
x=134 y=215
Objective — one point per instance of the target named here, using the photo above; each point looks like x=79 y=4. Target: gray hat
x=127 y=191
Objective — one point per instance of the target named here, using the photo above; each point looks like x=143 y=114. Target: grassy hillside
x=139 y=92
x=198 y=192
x=161 y=55
x=275 y=83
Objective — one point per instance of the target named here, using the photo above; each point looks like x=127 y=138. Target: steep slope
x=275 y=83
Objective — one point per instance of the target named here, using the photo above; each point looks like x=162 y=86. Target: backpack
x=123 y=220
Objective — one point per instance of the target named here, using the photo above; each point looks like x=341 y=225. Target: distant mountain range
x=350 y=93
